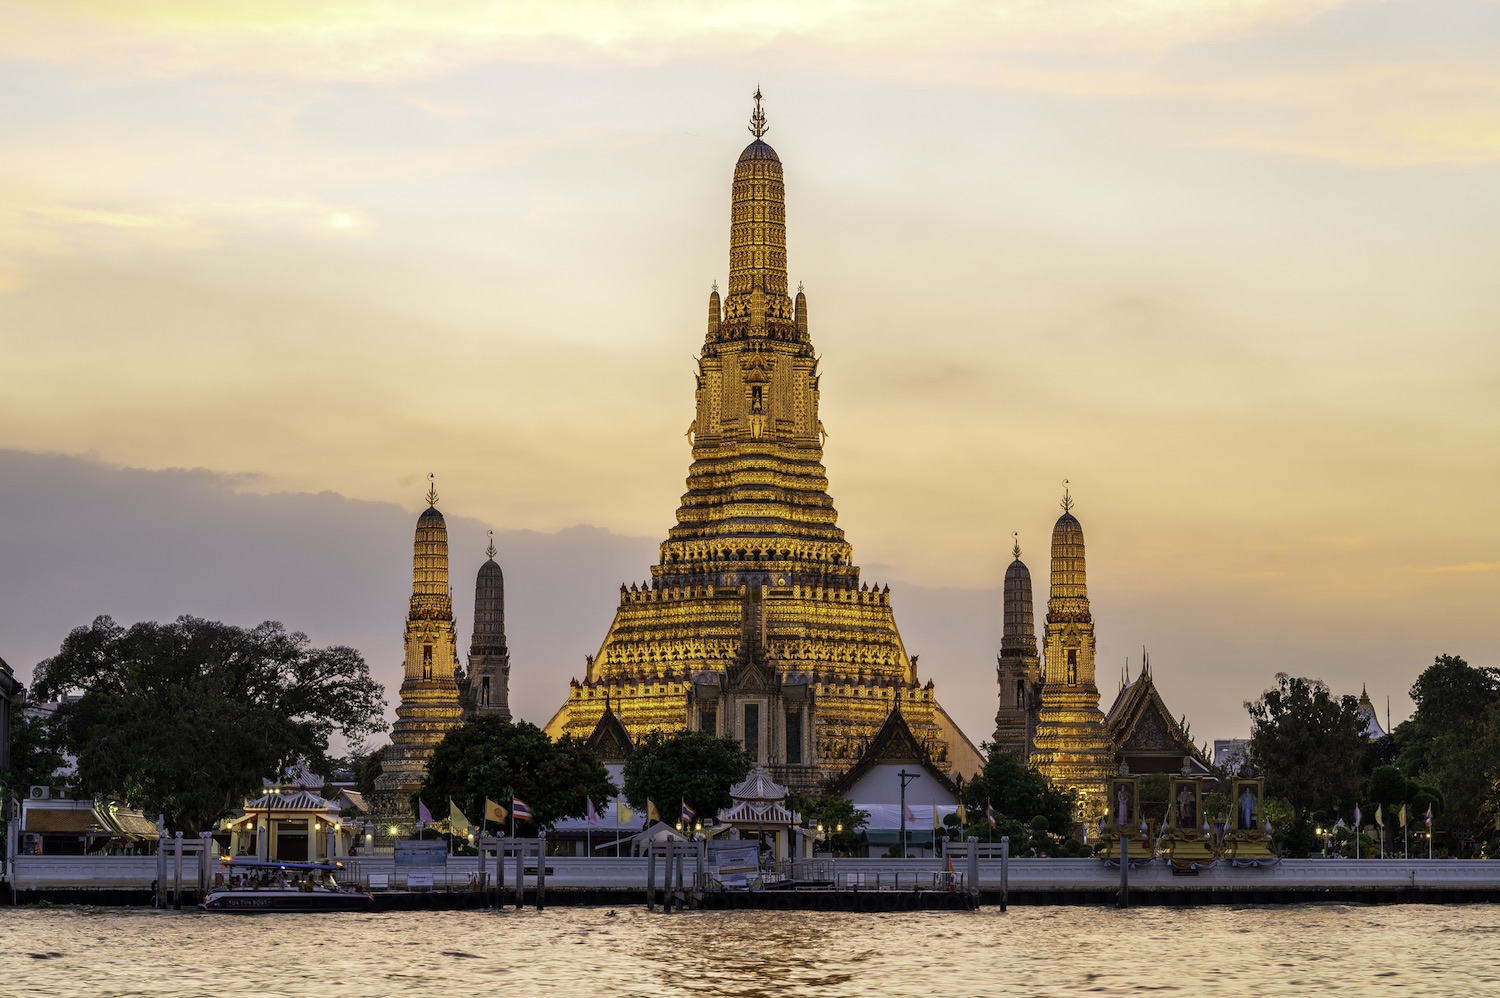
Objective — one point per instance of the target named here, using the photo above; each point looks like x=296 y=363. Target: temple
x=437 y=694
x=755 y=623
x=1018 y=668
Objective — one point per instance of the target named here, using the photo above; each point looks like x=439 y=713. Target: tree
x=35 y=750
x=1017 y=792
x=691 y=766
x=840 y=819
x=1308 y=745
x=188 y=718
x=369 y=770
x=491 y=757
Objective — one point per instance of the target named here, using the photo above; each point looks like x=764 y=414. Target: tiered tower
x=489 y=659
x=754 y=622
x=1018 y=669
x=1071 y=746
x=430 y=705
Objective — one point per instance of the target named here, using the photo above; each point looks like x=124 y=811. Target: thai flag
x=908 y=814
x=1428 y=816
x=520 y=809
x=688 y=814
x=989 y=814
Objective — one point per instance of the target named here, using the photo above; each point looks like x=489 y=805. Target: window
x=1020 y=693
x=708 y=720
x=484 y=691
x=794 y=737
x=751 y=739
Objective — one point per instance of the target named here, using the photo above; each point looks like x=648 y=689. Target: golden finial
x=1015 y=548
x=799 y=287
x=758 y=126
x=1067 y=500
x=716 y=287
x=490 y=551
x=432 y=496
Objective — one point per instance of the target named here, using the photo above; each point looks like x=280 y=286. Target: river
x=1311 y=949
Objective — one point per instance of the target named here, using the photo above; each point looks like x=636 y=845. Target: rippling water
x=1407 y=950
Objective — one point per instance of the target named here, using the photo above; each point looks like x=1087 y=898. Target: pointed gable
x=893 y=745
x=610 y=742
x=1144 y=734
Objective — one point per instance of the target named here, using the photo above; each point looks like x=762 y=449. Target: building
x=755 y=623
x=10 y=690
x=487 y=686
x=1018 y=668
x=1071 y=745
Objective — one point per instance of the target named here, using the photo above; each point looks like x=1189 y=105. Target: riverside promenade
x=127 y=880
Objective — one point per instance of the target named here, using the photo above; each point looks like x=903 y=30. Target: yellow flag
x=936 y=824
x=623 y=814
x=1379 y=815
x=456 y=820
x=494 y=812
x=1403 y=815
x=651 y=812
x=963 y=816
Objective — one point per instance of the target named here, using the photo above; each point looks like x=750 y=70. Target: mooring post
x=161 y=870
x=1123 y=901
x=177 y=880
x=520 y=874
x=499 y=872
x=651 y=876
x=698 y=877
x=973 y=842
x=671 y=892
x=1004 y=869
x=205 y=851
x=541 y=869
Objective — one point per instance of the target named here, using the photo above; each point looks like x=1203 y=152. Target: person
x=1247 y=810
x=1122 y=804
x=1187 y=811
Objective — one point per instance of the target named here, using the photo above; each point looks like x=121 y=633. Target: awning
x=892 y=836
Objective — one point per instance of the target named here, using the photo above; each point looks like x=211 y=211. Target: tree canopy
x=491 y=757
x=187 y=718
x=1017 y=793
x=1309 y=745
x=691 y=766
x=1451 y=744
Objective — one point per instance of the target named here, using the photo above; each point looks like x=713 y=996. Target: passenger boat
x=254 y=885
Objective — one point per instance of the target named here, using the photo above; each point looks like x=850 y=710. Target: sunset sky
x=1230 y=267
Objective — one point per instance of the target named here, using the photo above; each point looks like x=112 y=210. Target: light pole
x=905 y=779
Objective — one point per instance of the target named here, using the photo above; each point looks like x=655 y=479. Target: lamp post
x=905 y=779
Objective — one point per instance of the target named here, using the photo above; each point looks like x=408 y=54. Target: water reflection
x=1422 y=950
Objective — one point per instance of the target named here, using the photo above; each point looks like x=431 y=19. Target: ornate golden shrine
x=1184 y=838
x=755 y=623
x=1246 y=837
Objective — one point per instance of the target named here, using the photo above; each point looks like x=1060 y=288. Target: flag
x=494 y=812
x=907 y=814
x=963 y=816
x=593 y=815
x=688 y=814
x=520 y=809
x=652 y=814
x=989 y=814
x=1380 y=815
x=623 y=814
x=456 y=819
x=423 y=815
x=1357 y=818
x=1403 y=816
x=1428 y=817
x=936 y=824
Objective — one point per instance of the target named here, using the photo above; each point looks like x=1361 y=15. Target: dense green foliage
x=367 y=771
x=1308 y=744
x=840 y=819
x=1450 y=749
x=35 y=750
x=491 y=757
x=1017 y=793
x=691 y=766
x=188 y=718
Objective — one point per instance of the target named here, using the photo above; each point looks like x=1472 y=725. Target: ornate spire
x=758 y=126
x=490 y=551
x=1067 y=500
x=1015 y=548
x=432 y=496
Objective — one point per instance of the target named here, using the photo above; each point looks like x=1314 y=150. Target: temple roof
x=758 y=786
x=893 y=743
x=610 y=741
x=1140 y=723
x=758 y=150
x=1373 y=730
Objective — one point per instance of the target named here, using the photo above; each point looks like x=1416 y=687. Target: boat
x=249 y=886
